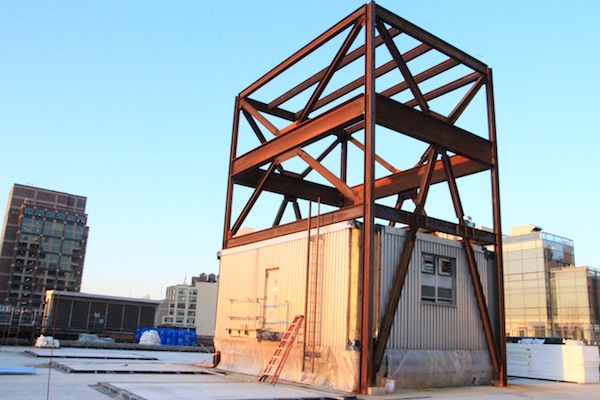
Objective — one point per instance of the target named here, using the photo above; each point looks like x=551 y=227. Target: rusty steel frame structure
x=451 y=153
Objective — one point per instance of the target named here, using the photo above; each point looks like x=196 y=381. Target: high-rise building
x=43 y=239
x=546 y=294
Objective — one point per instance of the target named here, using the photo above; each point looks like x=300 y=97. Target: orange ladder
x=277 y=361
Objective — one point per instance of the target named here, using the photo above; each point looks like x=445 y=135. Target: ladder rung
x=278 y=358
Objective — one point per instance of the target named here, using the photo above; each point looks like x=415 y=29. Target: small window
x=60 y=216
x=445 y=266
x=437 y=279
x=40 y=213
x=50 y=214
x=28 y=211
x=428 y=264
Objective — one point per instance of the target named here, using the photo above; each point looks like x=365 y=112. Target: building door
x=272 y=302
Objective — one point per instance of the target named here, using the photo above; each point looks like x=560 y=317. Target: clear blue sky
x=130 y=104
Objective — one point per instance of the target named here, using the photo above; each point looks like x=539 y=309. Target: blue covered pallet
x=170 y=337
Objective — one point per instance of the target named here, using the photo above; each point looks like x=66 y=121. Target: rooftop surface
x=101 y=374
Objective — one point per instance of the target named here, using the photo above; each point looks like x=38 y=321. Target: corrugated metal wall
x=418 y=324
x=421 y=325
x=243 y=273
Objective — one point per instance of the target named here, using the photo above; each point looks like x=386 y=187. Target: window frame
x=441 y=278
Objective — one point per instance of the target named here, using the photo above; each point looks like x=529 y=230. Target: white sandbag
x=47 y=342
x=150 y=337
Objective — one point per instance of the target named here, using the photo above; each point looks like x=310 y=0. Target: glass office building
x=546 y=295
x=43 y=241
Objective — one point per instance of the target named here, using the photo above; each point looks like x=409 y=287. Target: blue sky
x=130 y=103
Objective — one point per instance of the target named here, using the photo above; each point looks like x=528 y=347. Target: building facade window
x=438 y=279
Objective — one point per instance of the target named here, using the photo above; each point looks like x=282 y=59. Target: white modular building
x=436 y=339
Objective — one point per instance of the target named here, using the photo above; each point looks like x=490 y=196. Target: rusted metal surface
x=302 y=125
x=367 y=378
x=474 y=273
x=499 y=266
x=387 y=319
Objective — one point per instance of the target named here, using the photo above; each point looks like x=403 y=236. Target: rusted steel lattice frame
x=472 y=154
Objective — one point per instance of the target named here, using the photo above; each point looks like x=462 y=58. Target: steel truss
x=352 y=111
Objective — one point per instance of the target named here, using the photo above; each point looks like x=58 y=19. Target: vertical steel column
x=498 y=258
x=232 y=155
x=306 y=282
x=367 y=377
x=344 y=159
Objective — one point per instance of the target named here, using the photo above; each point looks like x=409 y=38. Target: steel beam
x=253 y=198
x=342 y=215
x=442 y=90
x=345 y=114
x=292 y=186
x=280 y=212
x=401 y=64
x=275 y=111
x=409 y=179
x=398 y=117
x=434 y=225
x=305 y=51
x=465 y=101
x=426 y=37
x=353 y=56
x=498 y=256
x=391 y=305
x=384 y=69
x=367 y=332
x=321 y=157
x=473 y=271
x=421 y=77
x=335 y=64
x=230 y=183
x=379 y=160
x=344 y=189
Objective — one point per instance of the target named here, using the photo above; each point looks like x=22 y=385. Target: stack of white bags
x=47 y=342
x=571 y=362
x=150 y=337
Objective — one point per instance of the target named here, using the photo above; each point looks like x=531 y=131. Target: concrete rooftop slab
x=134 y=367
x=53 y=383
x=85 y=353
x=215 y=391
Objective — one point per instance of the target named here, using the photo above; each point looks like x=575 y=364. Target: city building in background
x=43 y=241
x=68 y=314
x=191 y=306
x=546 y=294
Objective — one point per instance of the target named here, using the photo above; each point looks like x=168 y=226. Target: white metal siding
x=243 y=271
x=419 y=325
x=206 y=308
